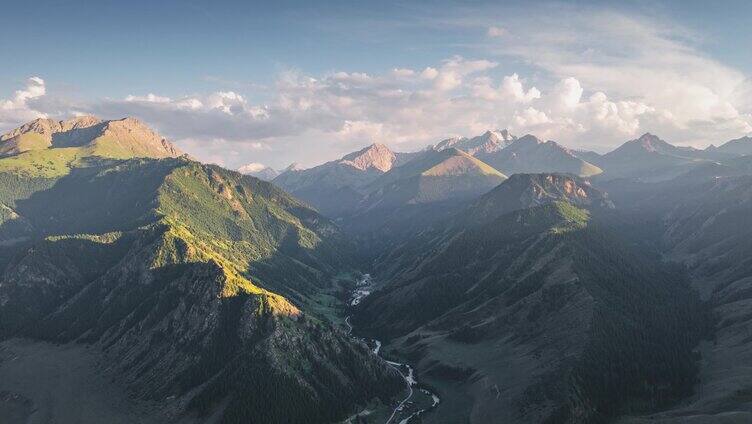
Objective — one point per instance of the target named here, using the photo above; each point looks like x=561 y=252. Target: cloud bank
x=588 y=80
x=18 y=108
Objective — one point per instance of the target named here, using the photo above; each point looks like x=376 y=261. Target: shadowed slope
x=538 y=313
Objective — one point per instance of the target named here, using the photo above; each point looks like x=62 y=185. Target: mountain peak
x=258 y=170
x=523 y=191
x=82 y=121
x=529 y=139
x=48 y=127
x=497 y=135
x=122 y=138
x=739 y=146
x=647 y=142
x=376 y=156
x=447 y=143
x=650 y=142
x=293 y=167
x=488 y=142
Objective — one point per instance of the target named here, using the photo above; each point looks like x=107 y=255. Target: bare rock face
x=488 y=142
x=48 y=127
x=376 y=156
x=337 y=187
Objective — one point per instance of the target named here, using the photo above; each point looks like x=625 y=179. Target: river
x=363 y=288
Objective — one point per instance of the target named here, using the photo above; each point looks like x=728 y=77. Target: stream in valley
x=408 y=408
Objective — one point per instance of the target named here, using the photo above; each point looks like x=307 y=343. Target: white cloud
x=531 y=118
x=452 y=71
x=18 y=109
x=495 y=31
x=251 y=167
x=568 y=92
x=429 y=73
x=512 y=86
x=367 y=131
x=636 y=58
x=589 y=78
x=315 y=118
x=149 y=98
x=510 y=89
x=403 y=72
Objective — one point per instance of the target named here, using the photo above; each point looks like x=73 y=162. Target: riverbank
x=417 y=400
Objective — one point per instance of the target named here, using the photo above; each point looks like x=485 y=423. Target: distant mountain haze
x=259 y=171
x=529 y=154
x=739 y=146
x=490 y=141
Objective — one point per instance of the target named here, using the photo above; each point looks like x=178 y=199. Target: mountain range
x=197 y=284
x=498 y=279
x=349 y=185
x=360 y=180
x=520 y=309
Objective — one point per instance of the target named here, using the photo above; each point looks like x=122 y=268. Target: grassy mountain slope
x=538 y=314
x=48 y=149
x=435 y=176
x=199 y=285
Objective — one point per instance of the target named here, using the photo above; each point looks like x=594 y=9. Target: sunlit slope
x=47 y=148
x=197 y=282
x=435 y=176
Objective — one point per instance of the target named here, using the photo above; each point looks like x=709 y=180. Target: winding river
x=362 y=289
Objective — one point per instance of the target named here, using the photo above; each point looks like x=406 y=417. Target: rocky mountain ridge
x=200 y=287
x=124 y=137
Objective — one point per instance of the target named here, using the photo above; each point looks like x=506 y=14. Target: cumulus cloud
x=695 y=99
x=588 y=80
x=510 y=89
x=251 y=167
x=150 y=98
x=452 y=72
x=568 y=92
x=18 y=108
x=429 y=73
x=512 y=86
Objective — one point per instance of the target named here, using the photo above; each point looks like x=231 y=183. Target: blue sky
x=238 y=82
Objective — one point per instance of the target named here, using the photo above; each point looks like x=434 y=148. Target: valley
x=376 y=212
x=427 y=286
x=417 y=400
